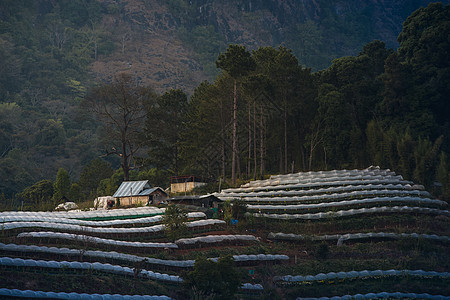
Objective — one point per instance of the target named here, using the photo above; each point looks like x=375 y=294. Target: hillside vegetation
x=62 y=61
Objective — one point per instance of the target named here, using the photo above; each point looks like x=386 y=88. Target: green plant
x=321 y=252
x=213 y=280
x=174 y=220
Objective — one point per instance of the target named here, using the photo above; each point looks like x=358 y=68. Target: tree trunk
x=281 y=160
x=249 y=166
x=254 y=140
x=223 y=139
x=233 y=159
x=262 y=145
x=285 y=142
x=124 y=162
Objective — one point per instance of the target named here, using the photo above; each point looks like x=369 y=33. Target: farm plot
x=123 y=245
x=350 y=221
x=345 y=233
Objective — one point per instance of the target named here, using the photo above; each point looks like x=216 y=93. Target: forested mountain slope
x=52 y=53
x=173 y=44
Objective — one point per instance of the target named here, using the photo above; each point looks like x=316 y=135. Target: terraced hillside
x=365 y=233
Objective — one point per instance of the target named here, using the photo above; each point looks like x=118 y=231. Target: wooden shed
x=139 y=193
x=183 y=184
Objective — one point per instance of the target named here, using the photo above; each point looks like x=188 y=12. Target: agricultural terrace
x=344 y=234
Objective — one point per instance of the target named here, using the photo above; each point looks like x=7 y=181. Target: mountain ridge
x=174 y=44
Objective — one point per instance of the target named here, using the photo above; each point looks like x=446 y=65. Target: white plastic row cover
x=347 y=176
x=19 y=262
x=382 y=295
x=249 y=286
x=345 y=203
x=36 y=217
x=130 y=257
x=95 y=240
x=339 y=189
x=62 y=295
x=361 y=274
x=313 y=185
x=369 y=170
x=108 y=230
x=351 y=212
x=354 y=236
x=146 y=210
x=256 y=257
x=324 y=179
x=334 y=196
x=323 y=175
x=215 y=239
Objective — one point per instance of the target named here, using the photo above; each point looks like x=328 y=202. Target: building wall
x=184 y=186
x=156 y=196
x=135 y=200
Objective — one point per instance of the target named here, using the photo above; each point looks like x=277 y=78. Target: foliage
x=264 y=114
x=91 y=175
x=213 y=280
x=38 y=195
x=156 y=177
x=120 y=105
x=61 y=186
x=321 y=251
x=164 y=125
x=238 y=209
x=227 y=211
x=46 y=48
x=174 y=220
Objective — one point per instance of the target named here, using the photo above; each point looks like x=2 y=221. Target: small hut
x=139 y=193
x=206 y=201
x=183 y=184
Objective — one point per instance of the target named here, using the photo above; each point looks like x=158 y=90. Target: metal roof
x=131 y=188
x=147 y=192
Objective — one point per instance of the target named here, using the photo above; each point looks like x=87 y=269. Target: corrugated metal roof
x=131 y=188
x=147 y=192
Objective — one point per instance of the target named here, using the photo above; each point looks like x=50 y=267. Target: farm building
x=139 y=193
x=206 y=201
x=183 y=184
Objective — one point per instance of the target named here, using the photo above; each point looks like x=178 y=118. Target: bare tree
x=120 y=107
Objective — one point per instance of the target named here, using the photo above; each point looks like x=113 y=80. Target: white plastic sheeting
x=336 y=196
x=375 y=200
x=206 y=222
x=324 y=179
x=355 y=236
x=104 y=230
x=210 y=239
x=382 y=295
x=310 y=185
x=147 y=210
x=253 y=287
x=132 y=258
x=360 y=275
x=38 y=218
x=62 y=295
x=94 y=240
x=351 y=212
x=258 y=257
x=374 y=170
x=407 y=188
x=19 y=262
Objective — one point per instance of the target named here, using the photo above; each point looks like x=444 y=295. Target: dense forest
x=64 y=135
